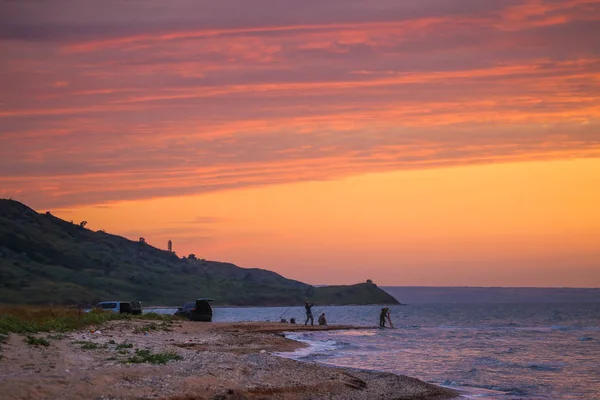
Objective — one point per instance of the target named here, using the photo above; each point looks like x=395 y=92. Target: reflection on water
x=508 y=351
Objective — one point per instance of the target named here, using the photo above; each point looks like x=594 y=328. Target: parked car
x=185 y=309
x=122 y=307
x=202 y=311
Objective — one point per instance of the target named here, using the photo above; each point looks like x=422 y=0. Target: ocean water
x=486 y=351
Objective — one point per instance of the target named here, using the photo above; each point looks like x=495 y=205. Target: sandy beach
x=214 y=361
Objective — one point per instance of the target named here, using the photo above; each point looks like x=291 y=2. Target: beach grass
x=163 y=326
x=87 y=345
x=3 y=339
x=33 y=341
x=146 y=356
x=27 y=319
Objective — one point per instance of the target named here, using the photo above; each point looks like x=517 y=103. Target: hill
x=44 y=259
x=361 y=294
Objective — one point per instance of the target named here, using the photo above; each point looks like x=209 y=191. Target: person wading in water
x=382 y=316
x=309 y=314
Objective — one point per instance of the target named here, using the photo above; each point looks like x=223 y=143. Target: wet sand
x=218 y=361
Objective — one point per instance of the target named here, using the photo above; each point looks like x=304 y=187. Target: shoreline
x=212 y=361
x=147 y=307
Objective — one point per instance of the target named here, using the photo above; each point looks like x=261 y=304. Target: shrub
x=57 y=337
x=146 y=356
x=32 y=340
x=86 y=345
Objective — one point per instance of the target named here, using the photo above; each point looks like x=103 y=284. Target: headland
x=45 y=260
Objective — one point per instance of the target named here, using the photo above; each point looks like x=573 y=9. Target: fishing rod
x=320 y=310
x=285 y=312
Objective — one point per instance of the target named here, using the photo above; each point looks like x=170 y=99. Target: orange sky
x=410 y=142
x=513 y=224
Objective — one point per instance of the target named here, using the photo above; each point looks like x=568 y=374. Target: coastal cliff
x=44 y=259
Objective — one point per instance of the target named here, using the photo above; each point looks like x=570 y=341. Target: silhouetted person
x=322 y=320
x=309 y=314
x=382 y=316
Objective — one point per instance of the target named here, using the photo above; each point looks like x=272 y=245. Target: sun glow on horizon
x=518 y=224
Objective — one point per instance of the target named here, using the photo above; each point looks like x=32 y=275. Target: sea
x=512 y=344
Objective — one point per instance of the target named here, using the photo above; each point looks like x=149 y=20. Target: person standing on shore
x=309 y=314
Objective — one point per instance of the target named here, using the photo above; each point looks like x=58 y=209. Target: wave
x=560 y=328
x=499 y=390
x=468 y=391
x=563 y=328
x=448 y=382
x=315 y=356
x=487 y=361
x=544 y=367
x=316 y=348
x=409 y=327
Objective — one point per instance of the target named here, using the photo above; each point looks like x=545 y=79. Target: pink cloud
x=183 y=101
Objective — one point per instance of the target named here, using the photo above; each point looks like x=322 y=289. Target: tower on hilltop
x=170 y=246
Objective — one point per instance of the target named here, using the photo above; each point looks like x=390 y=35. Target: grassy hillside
x=44 y=259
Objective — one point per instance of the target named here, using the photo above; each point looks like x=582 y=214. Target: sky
x=429 y=142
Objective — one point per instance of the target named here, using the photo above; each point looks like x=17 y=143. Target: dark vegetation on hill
x=362 y=293
x=44 y=259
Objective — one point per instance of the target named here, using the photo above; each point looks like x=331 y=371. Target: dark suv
x=202 y=311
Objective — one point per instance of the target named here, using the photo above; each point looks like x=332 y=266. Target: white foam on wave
x=315 y=346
